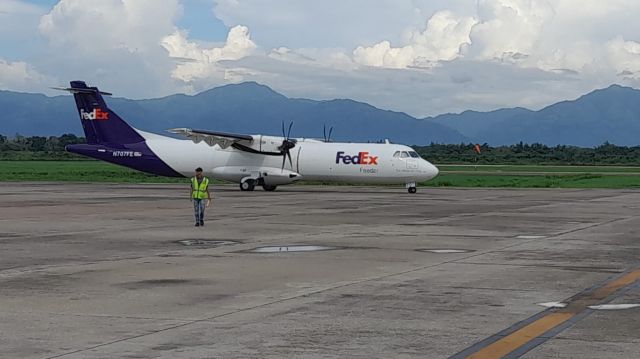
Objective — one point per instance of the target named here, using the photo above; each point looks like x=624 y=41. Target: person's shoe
x=197 y=224
x=202 y=224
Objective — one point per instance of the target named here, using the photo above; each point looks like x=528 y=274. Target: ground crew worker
x=198 y=193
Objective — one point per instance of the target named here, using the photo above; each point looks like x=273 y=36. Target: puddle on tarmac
x=210 y=243
x=531 y=237
x=445 y=250
x=294 y=248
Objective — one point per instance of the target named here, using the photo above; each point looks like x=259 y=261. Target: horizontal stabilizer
x=81 y=90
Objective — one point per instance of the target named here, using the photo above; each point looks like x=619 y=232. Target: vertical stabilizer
x=101 y=125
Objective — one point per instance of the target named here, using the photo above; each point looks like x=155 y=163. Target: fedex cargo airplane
x=249 y=160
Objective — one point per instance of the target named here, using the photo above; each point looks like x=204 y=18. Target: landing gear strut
x=248 y=185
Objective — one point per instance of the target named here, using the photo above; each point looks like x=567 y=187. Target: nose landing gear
x=411 y=187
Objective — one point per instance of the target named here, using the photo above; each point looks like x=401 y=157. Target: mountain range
x=611 y=114
x=606 y=115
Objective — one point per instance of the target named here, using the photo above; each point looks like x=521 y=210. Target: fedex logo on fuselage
x=362 y=158
x=96 y=114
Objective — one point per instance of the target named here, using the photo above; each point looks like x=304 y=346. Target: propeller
x=287 y=145
x=324 y=131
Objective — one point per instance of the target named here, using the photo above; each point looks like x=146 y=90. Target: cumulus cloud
x=133 y=25
x=115 y=43
x=202 y=62
x=20 y=76
x=442 y=40
x=625 y=57
x=320 y=24
x=569 y=37
x=503 y=30
x=509 y=30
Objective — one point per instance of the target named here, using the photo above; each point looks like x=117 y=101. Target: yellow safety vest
x=199 y=191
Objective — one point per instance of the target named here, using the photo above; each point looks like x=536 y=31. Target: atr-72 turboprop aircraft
x=250 y=160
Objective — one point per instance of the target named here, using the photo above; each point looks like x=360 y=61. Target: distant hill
x=245 y=108
x=611 y=114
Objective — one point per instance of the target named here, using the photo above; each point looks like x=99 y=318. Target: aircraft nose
x=430 y=170
x=435 y=170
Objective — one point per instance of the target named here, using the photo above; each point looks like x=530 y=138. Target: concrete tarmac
x=119 y=271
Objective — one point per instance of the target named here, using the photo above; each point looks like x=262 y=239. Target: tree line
x=533 y=154
x=52 y=147
x=21 y=147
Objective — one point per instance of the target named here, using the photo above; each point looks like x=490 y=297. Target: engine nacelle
x=276 y=177
x=269 y=176
x=268 y=144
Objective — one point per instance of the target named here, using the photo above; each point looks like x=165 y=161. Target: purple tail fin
x=101 y=125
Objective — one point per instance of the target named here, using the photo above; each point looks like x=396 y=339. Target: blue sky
x=43 y=3
x=199 y=19
x=423 y=57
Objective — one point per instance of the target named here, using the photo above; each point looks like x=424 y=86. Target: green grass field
x=583 y=180
x=539 y=170
x=450 y=175
x=78 y=171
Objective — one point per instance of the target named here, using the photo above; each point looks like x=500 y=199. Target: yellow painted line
x=521 y=336
x=524 y=335
x=614 y=285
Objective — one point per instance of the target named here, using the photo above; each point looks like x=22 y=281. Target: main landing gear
x=411 y=187
x=250 y=185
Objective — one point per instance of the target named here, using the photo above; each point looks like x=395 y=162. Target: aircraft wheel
x=268 y=188
x=412 y=190
x=247 y=185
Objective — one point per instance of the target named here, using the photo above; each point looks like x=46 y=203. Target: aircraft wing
x=222 y=139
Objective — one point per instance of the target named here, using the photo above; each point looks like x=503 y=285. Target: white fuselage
x=311 y=160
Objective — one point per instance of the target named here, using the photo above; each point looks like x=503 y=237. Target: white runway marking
x=553 y=304
x=613 y=306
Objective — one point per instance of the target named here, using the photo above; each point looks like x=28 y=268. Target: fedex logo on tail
x=96 y=114
x=362 y=158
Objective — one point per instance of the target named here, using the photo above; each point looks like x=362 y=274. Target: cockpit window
x=414 y=154
x=404 y=154
x=396 y=154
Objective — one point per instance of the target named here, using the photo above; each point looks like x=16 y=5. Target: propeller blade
x=329 y=138
x=289 y=132
x=289 y=156
x=283 y=159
